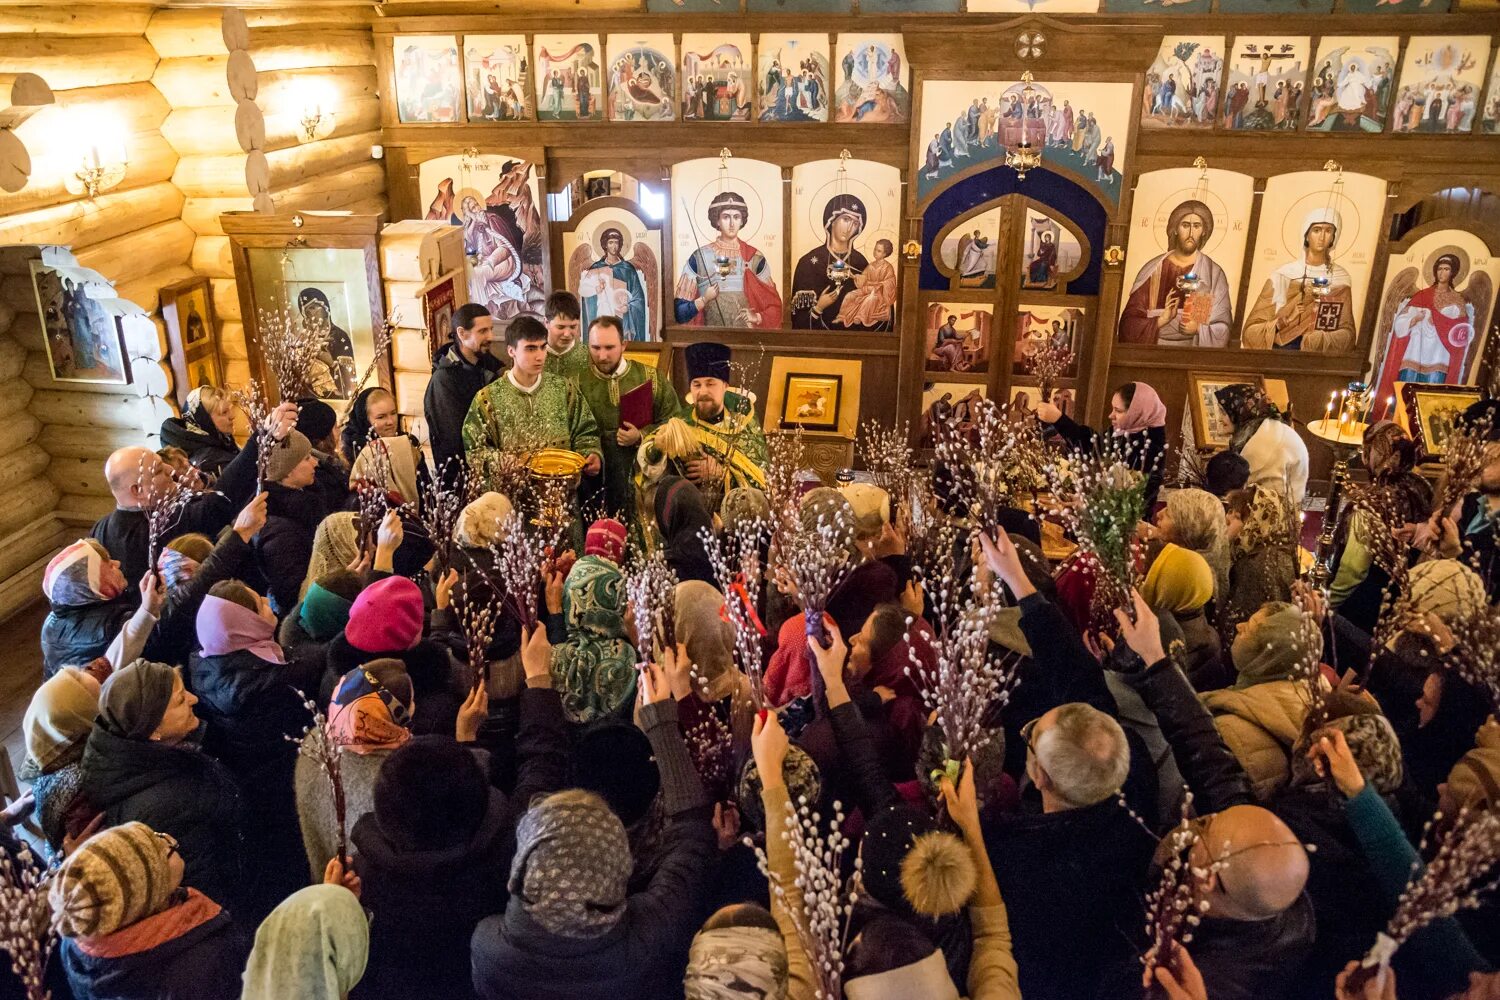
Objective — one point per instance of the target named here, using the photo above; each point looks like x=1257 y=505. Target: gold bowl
x=555 y=463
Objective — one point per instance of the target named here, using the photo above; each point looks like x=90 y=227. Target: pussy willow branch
x=319 y=745
x=652 y=588
x=26 y=932
x=741 y=576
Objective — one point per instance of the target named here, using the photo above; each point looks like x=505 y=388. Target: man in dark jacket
x=133 y=473
x=434 y=855
x=284 y=546
x=459 y=371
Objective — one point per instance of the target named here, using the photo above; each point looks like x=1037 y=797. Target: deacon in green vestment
x=611 y=375
x=527 y=408
x=567 y=355
x=727 y=450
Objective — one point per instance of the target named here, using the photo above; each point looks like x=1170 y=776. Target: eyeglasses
x=1026 y=732
x=169 y=840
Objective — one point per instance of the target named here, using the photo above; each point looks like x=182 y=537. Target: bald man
x=130 y=473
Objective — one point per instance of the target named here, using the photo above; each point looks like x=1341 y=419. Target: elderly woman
x=205 y=431
x=1264 y=437
x=57 y=726
x=1180 y=584
x=1263 y=541
x=1194 y=519
x=313 y=946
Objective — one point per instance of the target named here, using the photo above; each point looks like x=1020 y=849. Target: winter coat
x=315 y=813
x=1259 y=724
x=1144 y=450
x=1254 y=579
x=174 y=789
x=427 y=903
x=204 y=963
x=298 y=645
x=207 y=450
x=175 y=636
x=251 y=706
x=643 y=954
x=284 y=546
x=453 y=386
x=439 y=684
x=74 y=634
x=1202 y=657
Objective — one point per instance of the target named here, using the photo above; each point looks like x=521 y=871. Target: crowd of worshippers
x=549 y=833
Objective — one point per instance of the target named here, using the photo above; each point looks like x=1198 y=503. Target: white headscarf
x=313 y=946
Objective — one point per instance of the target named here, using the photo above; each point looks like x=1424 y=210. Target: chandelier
x=1024 y=157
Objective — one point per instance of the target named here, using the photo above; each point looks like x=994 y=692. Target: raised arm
x=769 y=745
x=542 y=747
x=861 y=763
x=992 y=969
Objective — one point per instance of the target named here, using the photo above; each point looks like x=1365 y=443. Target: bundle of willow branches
x=652 y=588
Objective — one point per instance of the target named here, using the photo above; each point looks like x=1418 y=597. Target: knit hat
x=606 y=537
x=1446 y=588
x=75 y=575
x=416 y=813
x=324 y=613
x=736 y=963
x=888 y=838
x=114 y=879
x=315 y=418
x=479 y=523
x=134 y=700
x=386 y=616
x=800 y=774
x=1373 y=744
x=1180 y=580
x=743 y=503
x=571 y=865
x=286 y=455
x=60 y=716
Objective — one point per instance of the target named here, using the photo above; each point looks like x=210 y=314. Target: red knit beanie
x=386 y=616
x=606 y=537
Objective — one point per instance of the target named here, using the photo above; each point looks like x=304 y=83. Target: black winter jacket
x=74 y=634
x=175 y=635
x=203 y=964
x=1144 y=450
x=174 y=789
x=452 y=388
x=207 y=450
x=284 y=546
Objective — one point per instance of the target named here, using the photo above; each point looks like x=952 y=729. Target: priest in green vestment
x=528 y=408
x=725 y=450
x=567 y=355
x=609 y=376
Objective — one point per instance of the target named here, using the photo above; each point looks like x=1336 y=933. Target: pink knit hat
x=386 y=616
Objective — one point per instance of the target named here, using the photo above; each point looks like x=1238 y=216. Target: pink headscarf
x=1146 y=410
x=226 y=627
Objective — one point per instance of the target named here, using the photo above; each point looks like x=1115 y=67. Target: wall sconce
x=98 y=158
x=314 y=110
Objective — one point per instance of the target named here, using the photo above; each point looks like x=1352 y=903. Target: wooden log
x=22 y=464
x=194 y=81
x=7 y=317
x=257 y=172
x=410 y=351
x=205 y=131
x=17 y=259
x=74 y=62
x=211 y=257
x=284 y=130
x=332 y=191
x=264 y=204
x=234 y=31
x=38 y=539
x=249 y=126
x=12 y=358
x=202 y=214
x=304 y=16
x=146 y=291
x=83 y=476
x=14 y=395
x=21 y=96
x=19 y=431
x=151 y=377
x=25 y=502
x=26 y=330
x=226 y=294
x=193 y=32
x=282 y=89
x=232 y=345
x=374 y=205
x=88 y=409
x=142 y=339
x=290 y=167
x=236 y=374
x=297 y=48
x=136 y=107
x=17 y=291
x=69 y=19
x=140 y=253
x=22 y=591
x=152 y=160
x=15 y=162
x=96 y=443
x=240 y=75
x=83 y=511
x=410 y=389
x=212 y=176
x=79 y=224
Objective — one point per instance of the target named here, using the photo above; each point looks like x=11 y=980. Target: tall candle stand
x=1344 y=434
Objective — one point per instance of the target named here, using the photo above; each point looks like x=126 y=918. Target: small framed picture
x=85 y=342
x=1432 y=412
x=187 y=308
x=1211 y=426
x=811 y=401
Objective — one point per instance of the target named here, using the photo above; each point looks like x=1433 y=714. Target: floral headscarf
x=1266 y=524
x=594 y=670
x=75 y=576
x=368 y=713
x=1198 y=524
x=1246 y=406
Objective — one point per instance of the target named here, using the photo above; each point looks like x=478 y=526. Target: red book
x=637 y=406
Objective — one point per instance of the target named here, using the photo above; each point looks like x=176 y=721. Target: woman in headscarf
x=131 y=930
x=57 y=726
x=1264 y=561
x=717 y=684
x=90 y=604
x=1180 y=584
x=1262 y=716
x=1194 y=519
x=313 y=946
x=205 y=431
x=1264 y=437
x=1138 y=423
x=381 y=452
x=594 y=669
x=681 y=517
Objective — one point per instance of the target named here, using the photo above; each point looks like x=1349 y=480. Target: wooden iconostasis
x=1312 y=173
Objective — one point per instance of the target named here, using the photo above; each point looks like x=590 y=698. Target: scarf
x=594 y=670
x=313 y=946
x=74 y=577
x=1446 y=588
x=200 y=422
x=736 y=963
x=401 y=457
x=571 y=866
x=323 y=613
x=1269 y=650
x=136 y=697
x=680 y=515
x=356 y=433
x=1198 y=523
x=225 y=627
x=479 y=523
x=60 y=716
x=176 y=568
x=1146 y=410
x=1372 y=743
x=1246 y=406
x=1266 y=524
x=194 y=911
x=704 y=630
x=335 y=546
x=1180 y=580
x=366 y=716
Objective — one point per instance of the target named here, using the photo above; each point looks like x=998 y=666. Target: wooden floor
x=20 y=675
